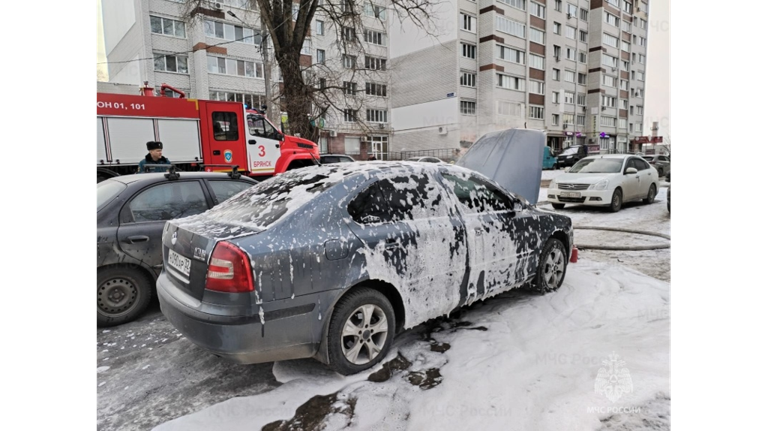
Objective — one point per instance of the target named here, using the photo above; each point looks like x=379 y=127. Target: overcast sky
x=657 y=107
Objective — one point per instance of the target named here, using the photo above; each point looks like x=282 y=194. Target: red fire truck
x=194 y=133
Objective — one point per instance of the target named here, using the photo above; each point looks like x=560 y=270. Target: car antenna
x=172 y=174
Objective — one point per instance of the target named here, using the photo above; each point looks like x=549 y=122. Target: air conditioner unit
x=217 y=6
x=568 y=15
x=382 y=126
x=363 y=138
x=442 y=130
x=332 y=133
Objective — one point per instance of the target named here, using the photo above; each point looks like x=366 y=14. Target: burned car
x=332 y=261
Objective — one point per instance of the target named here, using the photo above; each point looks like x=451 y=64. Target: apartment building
x=574 y=69
x=217 y=55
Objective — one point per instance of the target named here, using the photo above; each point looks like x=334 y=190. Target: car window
x=597 y=165
x=106 y=191
x=330 y=159
x=224 y=126
x=649 y=158
x=225 y=189
x=408 y=197
x=346 y=159
x=664 y=159
x=477 y=195
x=167 y=201
x=569 y=151
x=640 y=164
x=369 y=206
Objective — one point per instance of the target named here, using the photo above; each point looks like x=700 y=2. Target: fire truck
x=196 y=134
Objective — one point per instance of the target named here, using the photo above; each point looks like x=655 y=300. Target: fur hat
x=154 y=145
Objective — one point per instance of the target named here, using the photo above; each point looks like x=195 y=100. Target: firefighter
x=154 y=157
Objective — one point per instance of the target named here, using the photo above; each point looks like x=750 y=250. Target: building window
x=614 y=3
x=625 y=26
x=376 y=115
x=376 y=11
x=555 y=74
x=323 y=145
x=171 y=63
x=168 y=27
x=350 y=87
x=610 y=61
x=643 y=7
x=235 y=33
x=506 y=25
x=627 y=7
x=570 y=32
x=569 y=76
x=610 y=40
x=468 y=51
x=583 y=36
x=468 y=23
x=537 y=62
x=348 y=34
x=622 y=123
x=581 y=99
x=631 y=110
x=537 y=10
x=608 y=121
x=639 y=110
x=512 y=54
x=319 y=28
x=321 y=56
x=582 y=77
x=375 y=63
x=582 y=57
x=467 y=79
x=556 y=51
x=559 y=5
x=609 y=102
x=581 y=120
x=352 y=145
x=625 y=46
x=306 y=47
x=321 y=83
x=510 y=82
x=375 y=37
x=374 y=89
x=643 y=23
x=625 y=66
x=609 y=81
x=536 y=112
x=584 y=14
x=641 y=58
x=568 y=97
x=537 y=36
x=624 y=84
x=555 y=119
x=641 y=41
x=611 y=19
x=624 y=103
x=537 y=87
x=509 y=108
x=570 y=53
x=252 y=100
x=349 y=61
x=468 y=108
x=555 y=97
x=557 y=27
x=519 y=4
x=571 y=10
x=567 y=118
x=350 y=115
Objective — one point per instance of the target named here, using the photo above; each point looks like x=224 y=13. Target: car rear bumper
x=291 y=328
x=586 y=197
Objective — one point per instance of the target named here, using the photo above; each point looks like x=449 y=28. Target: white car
x=606 y=180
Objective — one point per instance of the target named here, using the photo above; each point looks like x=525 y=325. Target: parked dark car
x=335 y=158
x=571 y=155
x=662 y=164
x=331 y=261
x=131 y=213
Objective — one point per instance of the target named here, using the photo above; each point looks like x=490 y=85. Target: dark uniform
x=154 y=145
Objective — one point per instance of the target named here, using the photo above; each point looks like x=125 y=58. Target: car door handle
x=137 y=238
x=277 y=145
x=252 y=142
x=216 y=152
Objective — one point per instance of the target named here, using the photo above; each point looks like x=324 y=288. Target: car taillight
x=229 y=270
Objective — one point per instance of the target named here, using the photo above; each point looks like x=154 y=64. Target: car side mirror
x=630 y=171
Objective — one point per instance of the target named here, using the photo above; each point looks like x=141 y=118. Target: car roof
x=160 y=176
x=610 y=156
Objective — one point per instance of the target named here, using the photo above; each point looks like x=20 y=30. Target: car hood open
x=513 y=158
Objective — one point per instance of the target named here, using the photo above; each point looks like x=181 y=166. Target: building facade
x=574 y=69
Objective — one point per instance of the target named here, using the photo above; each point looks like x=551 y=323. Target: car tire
x=558 y=206
x=362 y=309
x=651 y=195
x=122 y=294
x=616 y=200
x=552 y=265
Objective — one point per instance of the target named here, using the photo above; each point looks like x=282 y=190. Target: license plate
x=570 y=194
x=179 y=262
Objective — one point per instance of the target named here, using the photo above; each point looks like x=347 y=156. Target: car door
x=263 y=145
x=491 y=225
x=630 y=183
x=413 y=239
x=646 y=176
x=143 y=217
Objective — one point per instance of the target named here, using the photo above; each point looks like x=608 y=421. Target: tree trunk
x=297 y=96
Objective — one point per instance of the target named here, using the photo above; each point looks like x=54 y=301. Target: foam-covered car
x=332 y=261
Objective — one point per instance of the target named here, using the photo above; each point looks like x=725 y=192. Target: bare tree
x=312 y=91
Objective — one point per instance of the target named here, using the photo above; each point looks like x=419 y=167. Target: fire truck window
x=225 y=126
x=260 y=127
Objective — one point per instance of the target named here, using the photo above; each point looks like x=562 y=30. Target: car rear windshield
x=570 y=150
x=106 y=191
x=598 y=166
x=266 y=203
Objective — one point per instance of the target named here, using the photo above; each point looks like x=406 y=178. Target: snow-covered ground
x=519 y=361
